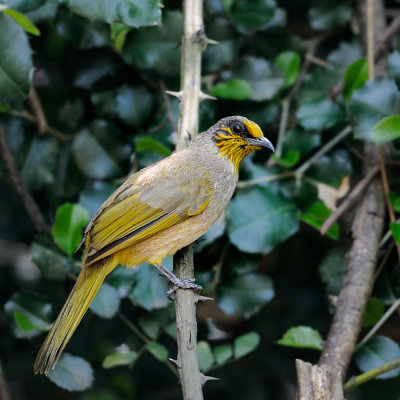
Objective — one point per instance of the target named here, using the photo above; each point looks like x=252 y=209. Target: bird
x=154 y=213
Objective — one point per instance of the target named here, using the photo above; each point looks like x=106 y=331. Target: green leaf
x=378 y=351
x=120 y=358
x=395 y=228
x=80 y=33
x=149 y=144
x=394 y=199
x=158 y=351
x=289 y=158
x=99 y=152
x=245 y=344
x=52 y=264
x=373 y=313
x=393 y=65
x=206 y=356
x=67 y=228
x=23 y=322
x=264 y=80
x=153 y=322
x=355 y=76
x=245 y=294
x=302 y=337
x=316 y=215
x=149 y=291
x=118 y=35
x=250 y=16
x=134 y=13
x=23 y=21
x=368 y=105
x=289 y=63
x=386 y=129
x=236 y=89
x=332 y=269
x=156 y=48
x=72 y=373
x=329 y=14
x=320 y=115
x=223 y=353
x=40 y=162
x=301 y=141
x=28 y=311
x=270 y=220
x=16 y=69
x=23 y=6
x=106 y=302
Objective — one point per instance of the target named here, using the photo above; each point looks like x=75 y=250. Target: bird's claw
x=183 y=284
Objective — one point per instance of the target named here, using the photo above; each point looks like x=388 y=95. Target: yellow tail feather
x=79 y=300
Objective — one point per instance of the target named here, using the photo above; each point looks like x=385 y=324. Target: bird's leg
x=177 y=283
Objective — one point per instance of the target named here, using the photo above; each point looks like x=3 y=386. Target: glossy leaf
x=206 y=356
x=355 y=76
x=289 y=63
x=158 y=351
x=259 y=228
x=51 y=263
x=28 y=311
x=373 y=312
x=106 y=302
x=23 y=21
x=72 y=373
x=245 y=344
x=245 y=293
x=329 y=14
x=332 y=269
x=16 y=69
x=378 y=351
x=99 y=152
x=393 y=65
x=156 y=48
x=316 y=215
x=67 y=228
x=23 y=6
x=120 y=358
x=320 y=115
x=289 y=158
x=394 y=199
x=150 y=289
x=149 y=144
x=386 y=129
x=375 y=100
x=303 y=337
x=223 y=353
x=236 y=89
x=395 y=228
x=134 y=13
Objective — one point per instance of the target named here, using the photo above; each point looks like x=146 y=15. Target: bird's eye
x=237 y=128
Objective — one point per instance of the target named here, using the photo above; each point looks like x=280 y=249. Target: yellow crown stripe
x=253 y=128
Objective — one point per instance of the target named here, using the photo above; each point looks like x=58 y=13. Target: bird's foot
x=177 y=283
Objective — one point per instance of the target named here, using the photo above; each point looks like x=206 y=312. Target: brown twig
x=28 y=201
x=64 y=137
x=4 y=394
x=168 y=106
x=385 y=185
x=36 y=105
x=359 y=188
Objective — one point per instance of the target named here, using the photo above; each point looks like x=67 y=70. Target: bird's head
x=237 y=136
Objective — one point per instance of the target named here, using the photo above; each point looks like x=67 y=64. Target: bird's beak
x=261 y=142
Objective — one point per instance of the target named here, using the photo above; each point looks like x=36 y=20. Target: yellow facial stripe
x=253 y=129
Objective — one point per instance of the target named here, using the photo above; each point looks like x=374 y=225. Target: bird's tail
x=79 y=300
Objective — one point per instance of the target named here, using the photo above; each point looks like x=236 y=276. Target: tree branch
x=193 y=41
x=28 y=201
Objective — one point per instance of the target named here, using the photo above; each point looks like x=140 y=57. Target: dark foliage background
x=99 y=75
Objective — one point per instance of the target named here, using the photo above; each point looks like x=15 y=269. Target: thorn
x=203 y=298
x=205 y=96
x=206 y=378
x=172 y=93
x=210 y=41
x=174 y=362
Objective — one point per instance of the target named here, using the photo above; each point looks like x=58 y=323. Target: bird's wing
x=144 y=205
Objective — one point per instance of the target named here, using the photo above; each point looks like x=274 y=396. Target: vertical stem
x=185 y=300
